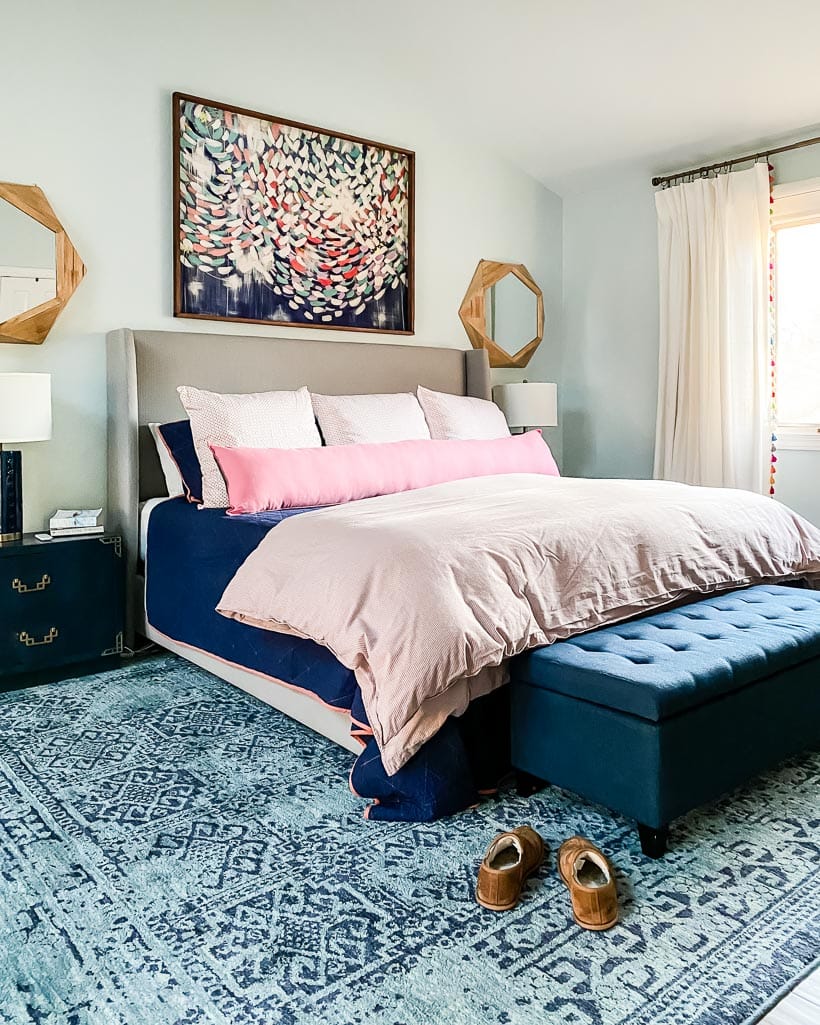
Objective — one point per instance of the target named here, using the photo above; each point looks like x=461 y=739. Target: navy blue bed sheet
x=192 y=553
x=191 y=556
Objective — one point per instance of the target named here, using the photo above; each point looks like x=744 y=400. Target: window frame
x=795 y=204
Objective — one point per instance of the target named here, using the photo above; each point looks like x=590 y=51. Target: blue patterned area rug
x=175 y=852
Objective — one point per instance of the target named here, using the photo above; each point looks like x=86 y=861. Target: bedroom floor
x=176 y=852
x=800 y=1007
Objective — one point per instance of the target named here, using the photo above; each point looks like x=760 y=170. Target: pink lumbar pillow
x=259 y=479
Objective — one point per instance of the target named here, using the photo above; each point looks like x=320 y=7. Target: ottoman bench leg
x=653 y=841
x=526 y=784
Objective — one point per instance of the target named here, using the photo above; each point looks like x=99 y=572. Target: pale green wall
x=610 y=352
x=609 y=380
x=98 y=141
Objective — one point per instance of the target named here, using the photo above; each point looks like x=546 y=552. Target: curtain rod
x=666 y=178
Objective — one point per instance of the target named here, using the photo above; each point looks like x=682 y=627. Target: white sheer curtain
x=713 y=236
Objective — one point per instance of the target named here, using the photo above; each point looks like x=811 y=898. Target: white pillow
x=461 y=417
x=370 y=419
x=274 y=419
x=170 y=470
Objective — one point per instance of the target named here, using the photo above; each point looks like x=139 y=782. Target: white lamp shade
x=25 y=408
x=528 y=403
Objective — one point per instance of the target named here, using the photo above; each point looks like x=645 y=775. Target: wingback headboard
x=146 y=367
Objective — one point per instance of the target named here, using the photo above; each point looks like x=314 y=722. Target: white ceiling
x=567 y=89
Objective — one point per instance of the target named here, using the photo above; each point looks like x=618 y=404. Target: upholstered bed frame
x=144 y=371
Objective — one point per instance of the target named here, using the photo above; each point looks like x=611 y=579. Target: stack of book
x=75 y=522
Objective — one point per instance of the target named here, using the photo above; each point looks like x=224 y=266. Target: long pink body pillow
x=259 y=479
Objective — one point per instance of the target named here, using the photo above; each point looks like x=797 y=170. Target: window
x=796 y=222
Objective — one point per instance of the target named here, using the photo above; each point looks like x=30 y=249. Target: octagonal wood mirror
x=39 y=267
x=503 y=312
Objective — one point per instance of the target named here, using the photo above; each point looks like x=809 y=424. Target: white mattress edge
x=145 y=510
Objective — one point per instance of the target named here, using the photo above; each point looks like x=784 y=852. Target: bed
x=389 y=624
x=180 y=557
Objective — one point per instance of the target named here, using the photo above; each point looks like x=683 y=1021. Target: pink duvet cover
x=426 y=593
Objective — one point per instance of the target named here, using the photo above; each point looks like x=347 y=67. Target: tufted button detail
x=696 y=652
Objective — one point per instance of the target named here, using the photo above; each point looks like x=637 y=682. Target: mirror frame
x=472 y=312
x=33 y=325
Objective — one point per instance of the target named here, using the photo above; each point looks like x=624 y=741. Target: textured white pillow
x=370 y=419
x=461 y=417
x=170 y=470
x=273 y=419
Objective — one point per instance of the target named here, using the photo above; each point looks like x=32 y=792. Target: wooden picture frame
x=339 y=256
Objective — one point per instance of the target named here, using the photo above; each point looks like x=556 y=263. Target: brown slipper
x=510 y=860
x=588 y=875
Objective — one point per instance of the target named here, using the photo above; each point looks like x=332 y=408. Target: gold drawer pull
x=18 y=585
x=29 y=641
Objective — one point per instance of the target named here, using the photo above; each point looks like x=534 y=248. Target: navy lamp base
x=11 y=496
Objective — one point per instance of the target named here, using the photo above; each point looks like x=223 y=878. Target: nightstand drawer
x=60 y=602
x=40 y=644
x=30 y=583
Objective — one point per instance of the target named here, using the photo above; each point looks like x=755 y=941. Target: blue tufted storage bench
x=655 y=716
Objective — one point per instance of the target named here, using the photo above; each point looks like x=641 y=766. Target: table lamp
x=25 y=415
x=528 y=403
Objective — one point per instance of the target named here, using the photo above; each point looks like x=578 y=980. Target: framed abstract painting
x=278 y=222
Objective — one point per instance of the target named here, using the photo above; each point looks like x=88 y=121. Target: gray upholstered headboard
x=145 y=368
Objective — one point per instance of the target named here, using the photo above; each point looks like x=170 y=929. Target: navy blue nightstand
x=61 y=602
